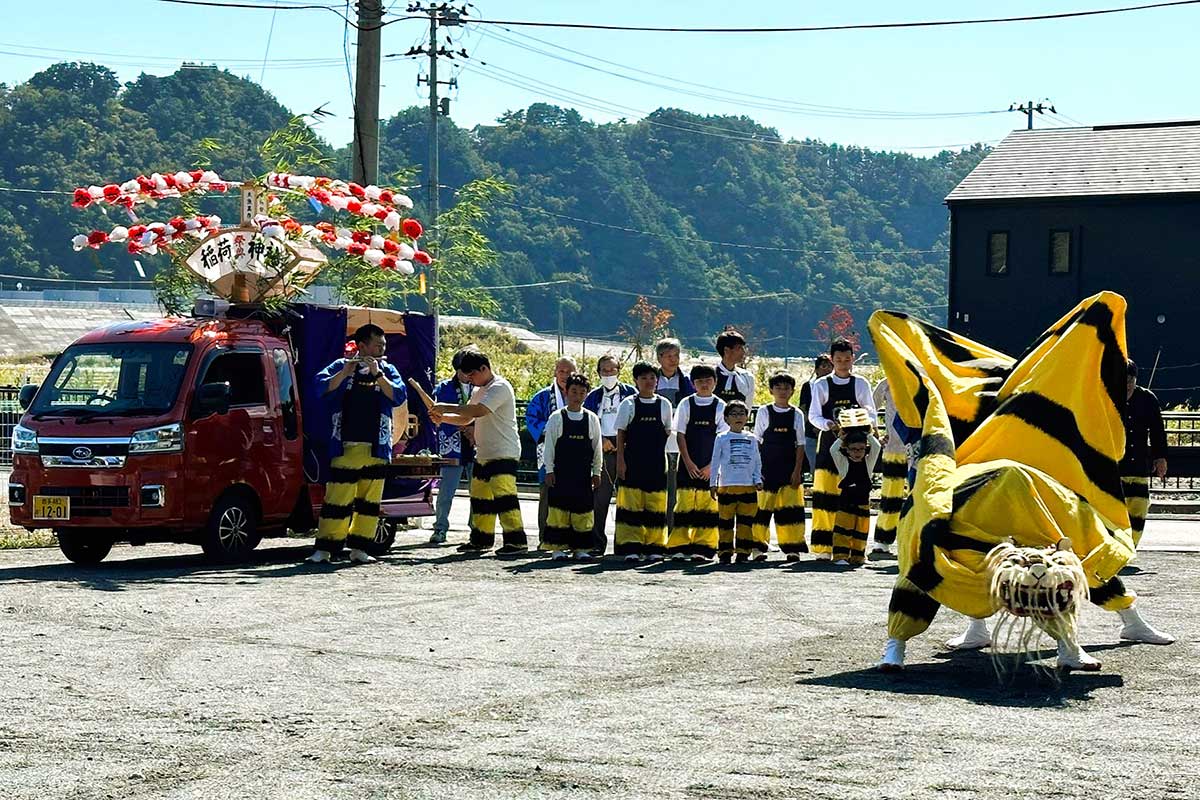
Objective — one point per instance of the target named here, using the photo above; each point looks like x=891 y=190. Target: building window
x=997 y=255
x=1060 y=252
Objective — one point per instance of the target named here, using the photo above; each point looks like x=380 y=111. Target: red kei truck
x=206 y=430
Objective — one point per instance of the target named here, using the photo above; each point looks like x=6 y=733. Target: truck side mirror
x=212 y=398
x=26 y=394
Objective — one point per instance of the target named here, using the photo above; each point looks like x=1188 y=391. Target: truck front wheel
x=83 y=547
x=385 y=537
x=232 y=530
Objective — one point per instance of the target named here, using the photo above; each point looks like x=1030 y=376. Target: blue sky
x=1122 y=67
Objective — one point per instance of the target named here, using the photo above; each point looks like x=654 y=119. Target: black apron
x=778 y=448
x=840 y=397
x=727 y=387
x=700 y=436
x=645 y=443
x=856 y=486
x=572 y=489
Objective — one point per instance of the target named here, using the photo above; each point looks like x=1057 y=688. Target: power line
x=304 y=7
x=842 y=27
x=562 y=94
x=752 y=101
x=737 y=245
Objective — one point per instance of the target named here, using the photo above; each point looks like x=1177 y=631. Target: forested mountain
x=701 y=210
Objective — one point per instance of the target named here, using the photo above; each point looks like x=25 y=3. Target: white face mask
x=608 y=381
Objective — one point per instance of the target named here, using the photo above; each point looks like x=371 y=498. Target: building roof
x=1104 y=160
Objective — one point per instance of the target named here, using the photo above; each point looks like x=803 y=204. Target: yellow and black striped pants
x=641 y=521
x=1137 y=502
x=569 y=520
x=494 y=497
x=737 y=511
x=786 y=506
x=696 y=520
x=851 y=526
x=891 y=496
x=350 y=511
x=825 y=497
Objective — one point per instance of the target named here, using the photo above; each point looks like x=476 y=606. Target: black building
x=1052 y=216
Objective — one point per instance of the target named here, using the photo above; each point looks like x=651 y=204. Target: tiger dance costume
x=1023 y=449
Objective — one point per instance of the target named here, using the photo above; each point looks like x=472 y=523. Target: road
x=431 y=676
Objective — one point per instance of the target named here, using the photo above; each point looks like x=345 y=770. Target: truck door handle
x=268 y=428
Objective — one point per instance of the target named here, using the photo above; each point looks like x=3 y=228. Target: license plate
x=51 y=507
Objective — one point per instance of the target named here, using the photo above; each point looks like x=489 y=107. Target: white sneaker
x=560 y=555
x=631 y=557
x=881 y=548
x=841 y=562
x=654 y=557
x=679 y=556
x=893 y=656
x=975 y=637
x=583 y=555
x=643 y=557
x=1071 y=656
x=361 y=557
x=1137 y=629
x=320 y=557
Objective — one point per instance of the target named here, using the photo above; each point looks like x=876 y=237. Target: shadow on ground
x=973 y=676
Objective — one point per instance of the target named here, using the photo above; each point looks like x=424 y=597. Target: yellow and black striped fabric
x=350 y=511
x=786 y=506
x=567 y=529
x=494 y=496
x=851 y=526
x=825 y=493
x=641 y=521
x=1023 y=449
x=737 y=510
x=1137 y=503
x=696 y=519
x=892 y=492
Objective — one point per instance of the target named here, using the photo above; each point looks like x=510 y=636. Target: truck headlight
x=167 y=439
x=24 y=440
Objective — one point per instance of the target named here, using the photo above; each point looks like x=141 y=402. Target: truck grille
x=102 y=453
x=91 y=501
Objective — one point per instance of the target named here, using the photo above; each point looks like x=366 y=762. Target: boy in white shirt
x=574 y=459
x=832 y=394
x=854 y=458
x=643 y=425
x=734 y=480
x=779 y=429
x=734 y=382
x=699 y=419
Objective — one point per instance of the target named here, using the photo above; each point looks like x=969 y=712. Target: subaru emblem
x=82 y=454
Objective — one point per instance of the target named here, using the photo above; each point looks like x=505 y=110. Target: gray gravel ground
x=428 y=676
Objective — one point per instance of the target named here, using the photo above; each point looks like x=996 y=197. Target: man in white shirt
x=493 y=409
x=836 y=392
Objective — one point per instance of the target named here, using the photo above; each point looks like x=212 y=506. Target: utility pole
x=1028 y=108
x=365 y=151
x=448 y=17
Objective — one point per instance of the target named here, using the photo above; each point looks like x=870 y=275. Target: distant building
x=1052 y=216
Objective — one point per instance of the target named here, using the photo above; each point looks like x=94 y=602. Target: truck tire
x=385 y=537
x=232 y=530
x=83 y=547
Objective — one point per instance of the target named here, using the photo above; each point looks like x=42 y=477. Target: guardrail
x=1183 y=445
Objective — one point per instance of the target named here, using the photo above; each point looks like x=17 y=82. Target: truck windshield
x=113 y=379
